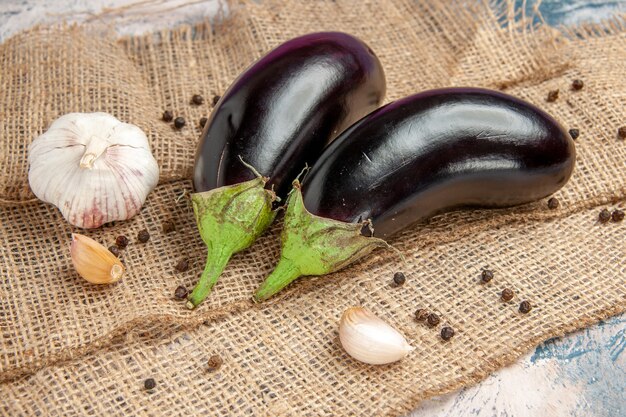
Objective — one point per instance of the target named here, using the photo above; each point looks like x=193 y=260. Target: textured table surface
x=582 y=374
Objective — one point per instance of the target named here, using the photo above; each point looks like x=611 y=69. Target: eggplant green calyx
x=313 y=245
x=229 y=220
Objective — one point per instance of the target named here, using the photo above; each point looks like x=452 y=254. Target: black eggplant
x=272 y=121
x=413 y=158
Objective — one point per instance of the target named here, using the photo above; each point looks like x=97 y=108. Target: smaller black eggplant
x=413 y=158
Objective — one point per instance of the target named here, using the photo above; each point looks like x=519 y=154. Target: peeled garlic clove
x=94 y=262
x=369 y=339
x=93 y=167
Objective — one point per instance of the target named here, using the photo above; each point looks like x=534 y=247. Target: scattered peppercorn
x=149 y=383
x=167 y=116
x=553 y=203
x=216 y=99
x=574 y=133
x=179 y=122
x=168 y=227
x=399 y=278
x=525 y=307
x=182 y=265
x=617 y=215
x=121 y=241
x=432 y=319
x=552 y=96
x=214 y=363
x=180 y=293
x=143 y=236
x=621 y=132
x=447 y=333
x=421 y=314
x=114 y=250
x=604 y=216
x=197 y=99
x=578 y=84
x=507 y=295
x=486 y=275
x=203 y=121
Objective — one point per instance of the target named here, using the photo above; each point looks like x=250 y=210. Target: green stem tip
x=229 y=220
x=313 y=245
x=215 y=263
x=284 y=273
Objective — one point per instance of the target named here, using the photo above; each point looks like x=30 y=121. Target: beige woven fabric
x=70 y=348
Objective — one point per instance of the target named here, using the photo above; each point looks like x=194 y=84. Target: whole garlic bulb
x=369 y=339
x=93 y=167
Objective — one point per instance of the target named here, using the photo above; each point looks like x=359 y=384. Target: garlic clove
x=369 y=339
x=93 y=167
x=94 y=262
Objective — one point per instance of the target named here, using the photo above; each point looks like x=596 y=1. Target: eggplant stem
x=313 y=246
x=285 y=272
x=229 y=220
x=233 y=198
x=215 y=264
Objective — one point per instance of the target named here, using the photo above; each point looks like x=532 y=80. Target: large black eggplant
x=276 y=117
x=410 y=159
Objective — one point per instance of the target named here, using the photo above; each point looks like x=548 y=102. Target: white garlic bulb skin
x=93 y=167
x=369 y=339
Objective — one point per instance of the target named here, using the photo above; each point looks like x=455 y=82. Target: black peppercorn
x=168 y=227
x=143 y=236
x=432 y=319
x=399 y=278
x=167 y=116
x=604 y=216
x=507 y=295
x=149 y=383
x=203 y=121
x=216 y=99
x=114 y=250
x=121 y=241
x=179 y=122
x=621 y=132
x=182 y=265
x=197 y=99
x=577 y=84
x=524 y=307
x=447 y=333
x=486 y=275
x=574 y=133
x=617 y=215
x=553 y=203
x=180 y=293
x=552 y=96
x=421 y=314
x=214 y=363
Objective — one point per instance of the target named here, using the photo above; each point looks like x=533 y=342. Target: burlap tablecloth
x=71 y=348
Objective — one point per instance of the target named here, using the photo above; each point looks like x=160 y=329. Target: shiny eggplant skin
x=435 y=151
x=282 y=111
